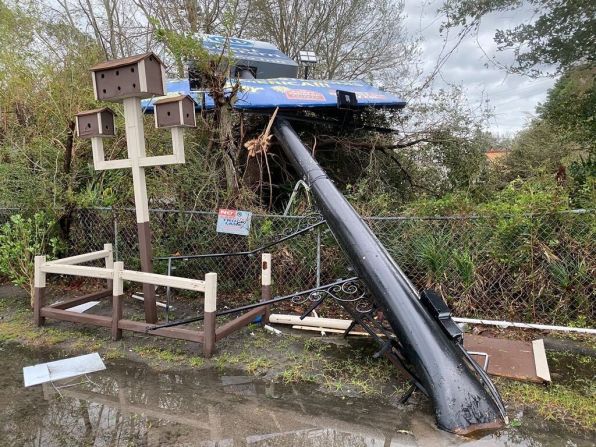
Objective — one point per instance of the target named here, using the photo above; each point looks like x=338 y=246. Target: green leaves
x=433 y=255
x=21 y=239
x=561 y=35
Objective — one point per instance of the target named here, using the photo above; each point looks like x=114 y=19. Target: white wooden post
x=137 y=161
x=39 y=289
x=98 y=153
x=209 y=314
x=266 y=283
x=178 y=144
x=135 y=142
x=117 y=299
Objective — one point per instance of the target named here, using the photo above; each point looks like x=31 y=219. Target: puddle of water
x=130 y=404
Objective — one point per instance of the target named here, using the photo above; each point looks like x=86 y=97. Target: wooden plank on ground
x=238 y=323
x=514 y=359
x=171 y=332
x=67 y=304
x=59 y=314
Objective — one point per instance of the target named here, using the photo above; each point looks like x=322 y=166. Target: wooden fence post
x=117 y=298
x=39 y=285
x=109 y=262
x=266 y=284
x=210 y=310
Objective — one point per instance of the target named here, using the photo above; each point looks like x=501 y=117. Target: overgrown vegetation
x=570 y=399
x=527 y=266
x=21 y=239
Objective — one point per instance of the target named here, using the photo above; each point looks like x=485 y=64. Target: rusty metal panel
x=513 y=359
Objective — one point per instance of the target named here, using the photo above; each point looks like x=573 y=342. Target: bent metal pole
x=462 y=404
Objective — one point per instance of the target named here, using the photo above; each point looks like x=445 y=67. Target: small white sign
x=233 y=222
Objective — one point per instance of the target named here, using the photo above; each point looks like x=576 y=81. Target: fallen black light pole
x=463 y=404
x=252 y=306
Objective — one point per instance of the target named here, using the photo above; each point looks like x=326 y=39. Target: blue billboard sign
x=289 y=93
x=305 y=93
x=246 y=50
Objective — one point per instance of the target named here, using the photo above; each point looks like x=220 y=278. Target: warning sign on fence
x=233 y=222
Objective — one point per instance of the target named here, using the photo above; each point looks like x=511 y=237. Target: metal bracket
x=482 y=354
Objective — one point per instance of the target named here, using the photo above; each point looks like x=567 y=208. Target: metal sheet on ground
x=514 y=359
x=62 y=369
x=83 y=307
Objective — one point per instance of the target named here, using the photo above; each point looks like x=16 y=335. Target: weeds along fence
x=531 y=268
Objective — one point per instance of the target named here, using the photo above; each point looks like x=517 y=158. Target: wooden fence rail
x=115 y=274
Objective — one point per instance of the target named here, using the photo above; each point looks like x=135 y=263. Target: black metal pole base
x=463 y=403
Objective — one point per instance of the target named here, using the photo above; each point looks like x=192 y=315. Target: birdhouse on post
x=128 y=80
x=175 y=111
x=95 y=123
x=141 y=76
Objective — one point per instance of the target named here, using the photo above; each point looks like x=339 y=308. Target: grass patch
x=355 y=371
x=114 y=354
x=165 y=355
x=252 y=364
x=298 y=372
x=293 y=358
x=19 y=327
x=555 y=402
x=169 y=355
x=196 y=362
x=258 y=364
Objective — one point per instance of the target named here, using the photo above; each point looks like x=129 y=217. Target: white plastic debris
x=62 y=369
x=272 y=330
x=83 y=307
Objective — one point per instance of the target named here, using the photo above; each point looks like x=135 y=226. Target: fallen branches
x=260 y=145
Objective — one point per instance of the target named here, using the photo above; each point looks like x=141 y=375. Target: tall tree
x=353 y=38
x=116 y=25
x=561 y=35
x=563 y=130
x=570 y=107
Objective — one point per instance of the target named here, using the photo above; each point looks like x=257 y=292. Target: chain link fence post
x=115 y=224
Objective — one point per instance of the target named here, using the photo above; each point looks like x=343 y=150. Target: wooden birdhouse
x=175 y=111
x=141 y=76
x=95 y=123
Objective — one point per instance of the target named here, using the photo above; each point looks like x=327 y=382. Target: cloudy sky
x=512 y=97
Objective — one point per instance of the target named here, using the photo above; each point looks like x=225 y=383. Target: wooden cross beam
x=137 y=161
x=128 y=80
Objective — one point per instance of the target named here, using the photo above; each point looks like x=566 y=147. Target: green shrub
x=21 y=239
x=432 y=254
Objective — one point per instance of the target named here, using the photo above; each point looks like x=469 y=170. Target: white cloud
x=513 y=97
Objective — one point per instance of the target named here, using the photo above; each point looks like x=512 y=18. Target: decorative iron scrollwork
x=347 y=292
x=305 y=223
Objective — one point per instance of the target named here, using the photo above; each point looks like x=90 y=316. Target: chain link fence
x=529 y=268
